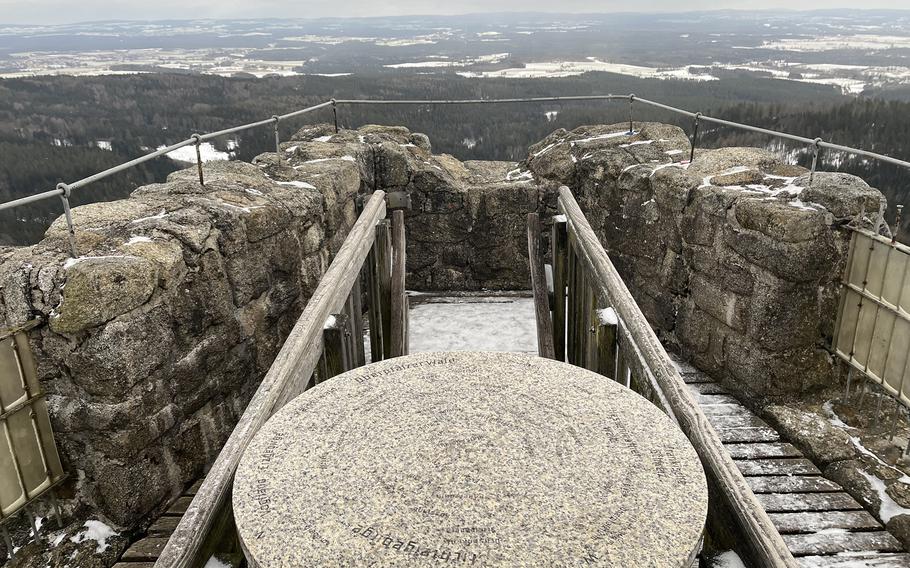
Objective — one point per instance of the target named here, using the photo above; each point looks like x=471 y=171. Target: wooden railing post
x=571 y=314
x=605 y=339
x=336 y=352
x=545 y=346
x=399 y=310
x=356 y=312
x=558 y=242
x=384 y=275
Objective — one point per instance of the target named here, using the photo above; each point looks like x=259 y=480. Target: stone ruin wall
x=735 y=259
x=157 y=339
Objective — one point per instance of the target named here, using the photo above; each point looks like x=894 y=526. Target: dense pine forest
x=56 y=129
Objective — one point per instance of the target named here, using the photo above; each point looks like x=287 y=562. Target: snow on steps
x=821 y=523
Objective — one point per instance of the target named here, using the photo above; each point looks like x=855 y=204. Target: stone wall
x=735 y=258
x=159 y=334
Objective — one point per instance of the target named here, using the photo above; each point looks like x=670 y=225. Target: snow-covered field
x=473 y=323
x=569 y=68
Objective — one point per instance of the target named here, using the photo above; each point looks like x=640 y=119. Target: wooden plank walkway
x=144 y=552
x=822 y=524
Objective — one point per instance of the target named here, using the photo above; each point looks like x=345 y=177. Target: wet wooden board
x=144 y=552
x=725 y=409
x=179 y=506
x=797 y=484
x=164 y=525
x=835 y=543
x=792 y=502
x=871 y=560
x=730 y=421
x=755 y=434
x=778 y=466
x=761 y=450
x=813 y=522
x=146 y=549
x=707 y=388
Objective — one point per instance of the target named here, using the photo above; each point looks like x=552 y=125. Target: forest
x=55 y=129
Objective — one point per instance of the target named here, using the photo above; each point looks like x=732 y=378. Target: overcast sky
x=67 y=11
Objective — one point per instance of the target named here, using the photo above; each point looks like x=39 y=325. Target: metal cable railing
x=63 y=190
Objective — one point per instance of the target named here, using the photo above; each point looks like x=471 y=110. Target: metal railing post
x=335 y=114
x=631 y=129
x=897 y=224
x=277 y=119
x=68 y=215
x=198 y=140
x=694 y=138
x=815 y=151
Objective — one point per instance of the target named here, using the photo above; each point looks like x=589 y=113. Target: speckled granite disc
x=485 y=459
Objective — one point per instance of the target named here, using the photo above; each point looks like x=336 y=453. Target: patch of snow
x=545 y=149
x=104 y=145
x=469 y=143
x=70 y=262
x=291 y=150
x=673 y=152
x=604 y=136
x=474 y=323
x=300 y=184
x=97 y=531
x=728 y=559
x=161 y=215
x=253 y=191
x=607 y=316
x=207 y=152
x=551 y=115
x=889 y=507
x=213 y=562
x=518 y=175
x=637 y=143
x=138 y=239
x=322 y=138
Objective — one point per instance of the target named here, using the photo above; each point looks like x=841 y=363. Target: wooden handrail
x=765 y=546
x=286 y=378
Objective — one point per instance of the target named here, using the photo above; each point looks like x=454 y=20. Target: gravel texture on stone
x=486 y=459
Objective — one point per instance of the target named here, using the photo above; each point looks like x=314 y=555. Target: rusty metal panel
x=29 y=462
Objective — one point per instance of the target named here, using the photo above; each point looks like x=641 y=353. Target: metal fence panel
x=29 y=463
x=873 y=330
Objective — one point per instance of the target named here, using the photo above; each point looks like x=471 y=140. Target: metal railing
x=64 y=190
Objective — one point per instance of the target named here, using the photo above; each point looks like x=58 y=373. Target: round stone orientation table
x=485 y=459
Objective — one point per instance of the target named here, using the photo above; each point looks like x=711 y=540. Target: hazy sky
x=66 y=11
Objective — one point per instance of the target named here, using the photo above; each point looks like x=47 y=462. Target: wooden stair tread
x=814 y=522
x=777 y=466
x=794 y=502
x=832 y=542
x=759 y=450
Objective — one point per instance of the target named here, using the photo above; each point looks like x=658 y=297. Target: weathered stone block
x=100 y=289
x=843 y=195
